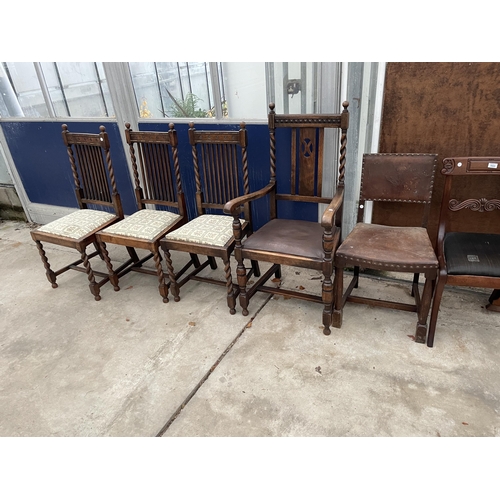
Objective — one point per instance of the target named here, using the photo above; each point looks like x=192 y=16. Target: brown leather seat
x=294 y=237
x=387 y=247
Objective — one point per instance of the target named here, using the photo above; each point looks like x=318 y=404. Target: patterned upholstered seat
x=78 y=224
x=207 y=229
x=146 y=224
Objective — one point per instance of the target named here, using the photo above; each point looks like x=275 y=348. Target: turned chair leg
x=51 y=276
x=231 y=301
x=113 y=277
x=242 y=284
x=174 y=287
x=94 y=287
x=327 y=295
x=162 y=286
x=338 y=285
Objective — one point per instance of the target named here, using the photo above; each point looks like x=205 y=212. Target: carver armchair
x=298 y=179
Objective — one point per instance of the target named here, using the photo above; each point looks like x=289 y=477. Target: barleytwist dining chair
x=301 y=243
x=221 y=173
x=469 y=259
x=391 y=177
x=160 y=202
x=99 y=202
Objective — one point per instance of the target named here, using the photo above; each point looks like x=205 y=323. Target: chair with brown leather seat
x=160 y=202
x=398 y=178
x=221 y=173
x=468 y=258
x=99 y=202
x=302 y=243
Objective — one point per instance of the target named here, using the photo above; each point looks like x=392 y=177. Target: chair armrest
x=329 y=214
x=235 y=204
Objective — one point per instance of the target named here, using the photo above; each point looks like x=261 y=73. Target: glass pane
x=81 y=88
x=105 y=89
x=172 y=89
x=54 y=86
x=292 y=86
x=147 y=93
x=24 y=82
x=244 y=88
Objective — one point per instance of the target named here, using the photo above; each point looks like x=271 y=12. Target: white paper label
x=492 y=165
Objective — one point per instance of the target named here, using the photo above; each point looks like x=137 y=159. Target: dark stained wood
x=157 y=182
x=295 y=243
x=448 y=108
x=95 y=188
x=221 y=173
x=464 y=170
x=391 y=178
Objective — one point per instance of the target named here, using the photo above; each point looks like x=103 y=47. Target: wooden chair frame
x=157 y=181
x=391 y=177
x=455 y=168
x=95 y=186
x=218 y=157
x=305 y=176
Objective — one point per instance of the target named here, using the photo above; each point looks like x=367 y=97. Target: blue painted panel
x=258 y=164
x=42 y=161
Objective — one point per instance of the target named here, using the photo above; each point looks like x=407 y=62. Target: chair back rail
x=465 y=166
x=220 y=166
x=307 y=154
x=398 y=177
x=92 y=169
x=156 y=169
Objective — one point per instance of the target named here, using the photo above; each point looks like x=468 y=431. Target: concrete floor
x=131 y=365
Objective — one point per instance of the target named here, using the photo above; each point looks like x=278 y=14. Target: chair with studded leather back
x=296 y=178
x=395 y=178
x=221 y=173
x=99 y=203
x=467 y=256
x=160 y=202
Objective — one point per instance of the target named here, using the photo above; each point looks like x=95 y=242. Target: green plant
x=186 y=108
